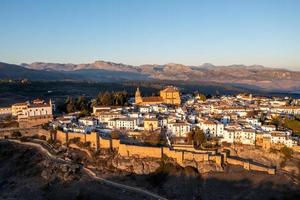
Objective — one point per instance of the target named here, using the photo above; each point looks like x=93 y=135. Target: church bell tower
x=138 y=97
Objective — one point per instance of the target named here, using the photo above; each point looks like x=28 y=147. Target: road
x=91 y=173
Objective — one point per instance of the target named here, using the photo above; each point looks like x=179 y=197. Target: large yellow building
x=169 y=95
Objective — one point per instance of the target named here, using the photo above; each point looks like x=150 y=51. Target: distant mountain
x=254 y=76
x=9 y=71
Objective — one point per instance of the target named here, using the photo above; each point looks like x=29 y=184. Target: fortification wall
x=93 y=139
x=30 y=122
x=191 y=149
x=61 y=137
x=104 y=143
x=158 y=152
x=72 y=135
x=140 y=151
x=174 y=154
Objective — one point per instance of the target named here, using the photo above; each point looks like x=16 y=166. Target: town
x=182 y=122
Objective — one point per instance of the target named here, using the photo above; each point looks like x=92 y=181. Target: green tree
x=199 y=137
x=287 y=152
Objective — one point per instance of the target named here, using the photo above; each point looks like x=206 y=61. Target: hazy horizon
x=132 y=32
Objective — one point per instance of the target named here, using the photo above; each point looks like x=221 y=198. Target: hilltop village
x=191 y=130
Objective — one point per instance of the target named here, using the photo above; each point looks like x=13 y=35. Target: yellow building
x=169 y=95
x=17 y=108
x=150 y=124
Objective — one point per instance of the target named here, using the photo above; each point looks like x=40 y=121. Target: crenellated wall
x=179 y=155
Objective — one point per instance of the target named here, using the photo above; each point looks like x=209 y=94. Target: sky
x=191 y=32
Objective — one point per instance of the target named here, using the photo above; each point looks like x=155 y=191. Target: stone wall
x=178 y=155
x=34 y=121
x=250 y=166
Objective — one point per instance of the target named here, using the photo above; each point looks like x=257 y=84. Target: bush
x=16 y=134
x=42 y=137
x=273 y=150
x=50 y=141
x=75 y=140
x=287 y=152
x=86 y=144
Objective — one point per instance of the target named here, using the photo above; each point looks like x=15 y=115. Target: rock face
x=136 y=165
x=58 y=171
x=258 y=155
x=204 y=167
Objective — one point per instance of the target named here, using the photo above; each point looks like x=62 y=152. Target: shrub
x=273 y=150
x=16 y=134
x=50 y=141
x=42 y=137
x=74 y=140
x=287 y=152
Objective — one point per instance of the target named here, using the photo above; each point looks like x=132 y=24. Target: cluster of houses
x=29 y=109
x=232 y=119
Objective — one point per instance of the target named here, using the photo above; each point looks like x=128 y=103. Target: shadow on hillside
x=239 y=184
x=20 y=178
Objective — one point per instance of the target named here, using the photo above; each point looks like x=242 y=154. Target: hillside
x=254 y=77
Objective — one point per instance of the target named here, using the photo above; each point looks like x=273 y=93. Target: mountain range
x=254 y=76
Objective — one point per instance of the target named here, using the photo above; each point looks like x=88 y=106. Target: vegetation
x=287 y=152
x=9 y=124
x=75 y=140
x=42 y=137
x=112 y=98
x=16 y=134
x=200 y=96
x=80 y=104
x=293 y=124
x=273 y=150
x=50 y=141
x=277 y=121
x=197 y=137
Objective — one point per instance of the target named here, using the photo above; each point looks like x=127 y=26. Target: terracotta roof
x=39 y=105
x=152 y=99
x=150 y=119
x=170 y=89
x=21 y=104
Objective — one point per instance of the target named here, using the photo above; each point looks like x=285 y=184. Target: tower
x=138 y=97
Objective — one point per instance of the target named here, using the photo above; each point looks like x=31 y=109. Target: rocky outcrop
x=204 y=167
x=136 y=165
x=58 y=171
x=258 y=155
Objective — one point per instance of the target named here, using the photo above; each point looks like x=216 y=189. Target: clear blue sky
x=221 y=32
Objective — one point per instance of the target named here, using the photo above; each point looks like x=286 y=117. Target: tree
x=199 y=137
x=107 y=99
x=16 y=134
x=287 y=152
x=190 y=137
x=276 y=121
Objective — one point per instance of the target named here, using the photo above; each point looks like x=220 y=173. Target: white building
x=37 y=109
x=145 y=109
x=178 y=129
x=88 y=121
x=242 y=136
x=268 y=128
x=104 y=117
x=211 y=128
x=5 y=111
x=280 y=137
x=123 y=123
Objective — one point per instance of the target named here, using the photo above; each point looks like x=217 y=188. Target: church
x=169 y=95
